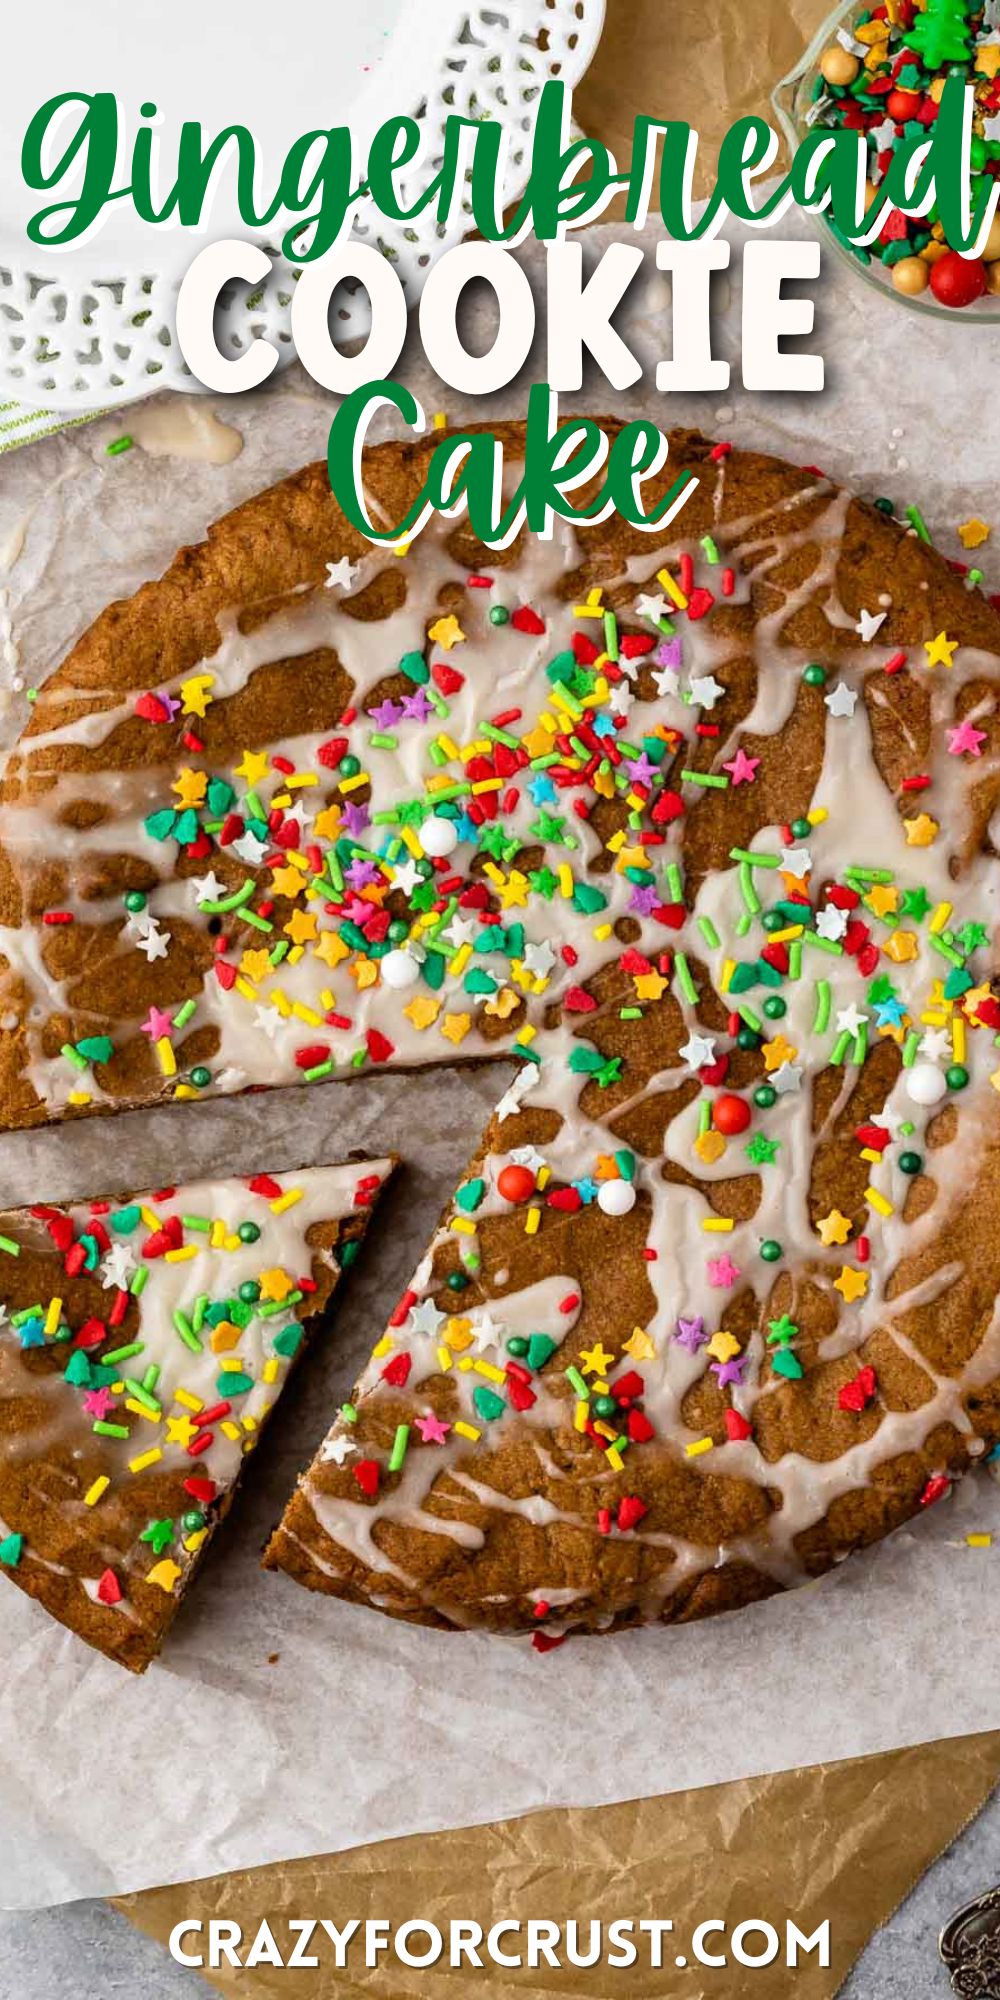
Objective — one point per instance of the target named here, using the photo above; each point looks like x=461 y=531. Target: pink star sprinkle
x=722 y=1271
x=157 y=1024
x=742 y=769
x=431 y=1429
x=98 y=1403
x=966 y=738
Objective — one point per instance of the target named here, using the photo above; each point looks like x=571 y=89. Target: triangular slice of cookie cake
x=700 y=835
x=143 y=1343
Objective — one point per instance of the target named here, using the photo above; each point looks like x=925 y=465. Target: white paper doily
x=86 y=328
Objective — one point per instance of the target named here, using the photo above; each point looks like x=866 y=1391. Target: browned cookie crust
x=716 y=869
x=143 y=1343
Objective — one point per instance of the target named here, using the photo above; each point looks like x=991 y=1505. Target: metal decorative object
x=970 y=1947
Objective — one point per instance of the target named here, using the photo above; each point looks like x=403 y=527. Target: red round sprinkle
x=516 y=1183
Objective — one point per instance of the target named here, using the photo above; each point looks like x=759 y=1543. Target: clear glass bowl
x=792 y=100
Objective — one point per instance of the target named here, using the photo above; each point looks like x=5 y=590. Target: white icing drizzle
x=856 y=823
x=183 y=1356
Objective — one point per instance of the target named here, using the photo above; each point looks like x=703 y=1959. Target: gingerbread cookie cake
x=695 y=832
x=143 y=1343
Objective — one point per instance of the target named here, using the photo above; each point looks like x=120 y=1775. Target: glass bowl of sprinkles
x=880 y=70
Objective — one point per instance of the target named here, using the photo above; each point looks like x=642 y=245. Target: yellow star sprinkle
x=196 y=693
x=882 y=900
x=165 y=1574
x=255 y=965
x=364 y=972
x=920 y=832
x=225 y=1337
x=446 y=632
x=330 y=948
x=833 y=1228
x=455 y=1027
x=851 y=1284
x=649 y=985
x=901 y=946
x=459 y=1333
x=502 y=1004
x=710 y=1147
x=722 y=1346
x=514 y=892
x=973 y=533
x=254 y=767
x=594 y=1360
x=326 y=824
x=180 y=1430
x=275 y=1284
x=301 y=926
x=776 y=1052
x=190 y=787
x=288 y=881
x=423 y=1011
x=639 y=1345
x=940 y=650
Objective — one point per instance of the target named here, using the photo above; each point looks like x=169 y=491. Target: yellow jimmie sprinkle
x=271 y=1369
x=182 y=1255
x=285 y=1201
x=940 y=918
x=727 y=973
x=187 y=1401
x=307 y=1014
x=52 y=1316
x=580 y=1416
x=958 y=1037
x=672 y=589
x=145 y=1458
x=614 y=1459
x=532 y=1221
x=978 y=1541
x=445 y=1362
x=95 y=1492
x=383 y=1346
x=878 y=1201
x=463 y=1225
x=150 y=1218
x=718 y=1224
x=231 y=1431
x=492 y=1374
x=166 y=1056
x=78 y=1097
x=464 y=1430
x=139 y=1410
x=697 y=1447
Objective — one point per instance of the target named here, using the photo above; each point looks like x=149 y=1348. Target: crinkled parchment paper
x=364 y=1728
